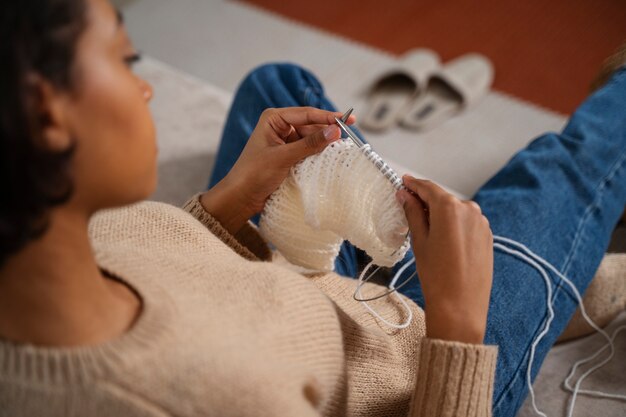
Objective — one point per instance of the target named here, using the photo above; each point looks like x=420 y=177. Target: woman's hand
x=282 y=138
x=453 y=248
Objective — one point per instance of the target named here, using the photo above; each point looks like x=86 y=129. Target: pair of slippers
x=419 y=93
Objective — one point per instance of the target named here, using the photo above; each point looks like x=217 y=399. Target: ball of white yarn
x=335 y=195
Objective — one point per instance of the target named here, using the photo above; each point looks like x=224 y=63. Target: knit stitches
x=335 y=195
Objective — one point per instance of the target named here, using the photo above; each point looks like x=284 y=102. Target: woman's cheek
x=118 y=155
x=137 y=143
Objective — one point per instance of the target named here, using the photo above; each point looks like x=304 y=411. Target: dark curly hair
x=37 y=37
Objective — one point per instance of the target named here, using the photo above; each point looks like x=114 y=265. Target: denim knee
x=289 y=79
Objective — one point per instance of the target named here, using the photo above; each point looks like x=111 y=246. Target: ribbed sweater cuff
x=247 y=242
x=454 y=379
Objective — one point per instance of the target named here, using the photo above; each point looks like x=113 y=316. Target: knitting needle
x=348 y=131
x=346 y=115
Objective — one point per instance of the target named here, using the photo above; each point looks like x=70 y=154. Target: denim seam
x=599 y=190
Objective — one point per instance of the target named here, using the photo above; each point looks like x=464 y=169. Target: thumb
x=311 y=144
x=416 y=215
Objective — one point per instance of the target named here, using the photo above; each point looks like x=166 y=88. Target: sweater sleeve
x=454 y=379
x=247 y=242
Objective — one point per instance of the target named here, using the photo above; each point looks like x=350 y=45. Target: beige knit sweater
x=224 y=332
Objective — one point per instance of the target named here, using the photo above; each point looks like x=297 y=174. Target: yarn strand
x=373 y=312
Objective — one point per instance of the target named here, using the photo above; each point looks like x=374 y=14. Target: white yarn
x=282 y=223
x=335 y=195
x=408 y=310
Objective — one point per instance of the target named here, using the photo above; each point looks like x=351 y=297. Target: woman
x=148 y=310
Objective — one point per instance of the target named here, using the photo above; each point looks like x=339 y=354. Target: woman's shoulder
x=146 y=218
x=140 y=212
x=152 y=232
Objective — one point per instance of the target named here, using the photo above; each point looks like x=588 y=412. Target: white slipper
x=393 y=91
x=457 y=86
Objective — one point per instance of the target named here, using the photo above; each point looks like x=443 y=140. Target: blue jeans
x=561 y=196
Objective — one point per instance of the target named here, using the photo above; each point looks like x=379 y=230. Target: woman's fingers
x=416 y=214
x=309 y=145
x=308 y=129
x=293 y=135
x=474 y=205
x=427 y=191
x=300 y=116
x=300 y=132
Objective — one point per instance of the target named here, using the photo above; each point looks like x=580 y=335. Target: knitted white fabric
x=335 y=195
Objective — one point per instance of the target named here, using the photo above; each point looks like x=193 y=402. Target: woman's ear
x=49 y=109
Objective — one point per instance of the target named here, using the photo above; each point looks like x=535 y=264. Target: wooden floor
x=544 y=51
